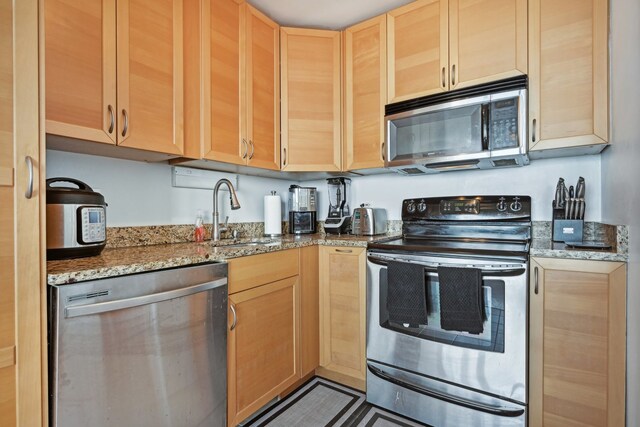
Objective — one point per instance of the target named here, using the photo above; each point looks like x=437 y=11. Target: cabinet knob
x=29 y=193
x=535 y=281
x=112 y=119
x=253 y=149
x=244 y=148
x=453 y=75
x=125 y=117
x=533 y=130
x=235 y=317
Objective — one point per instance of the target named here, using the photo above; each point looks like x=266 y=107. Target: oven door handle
x=456 y=400
x=433 y=268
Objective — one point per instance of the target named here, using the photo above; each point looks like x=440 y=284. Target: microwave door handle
x=485 y=126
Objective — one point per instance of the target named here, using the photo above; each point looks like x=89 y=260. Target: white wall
x=140 y=193
x=537 y=180
x=621 y=173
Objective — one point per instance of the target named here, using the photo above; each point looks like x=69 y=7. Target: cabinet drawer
x=251 y=271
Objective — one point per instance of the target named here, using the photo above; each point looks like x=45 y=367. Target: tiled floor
x=323 y=403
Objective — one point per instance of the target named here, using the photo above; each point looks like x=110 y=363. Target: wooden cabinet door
x=487 y=39
x=80 y=64
x=309 y=310
x=150 y=75
x=262 y=82
x=310 y=100
x=263 y=346
x=365 y=93
x=343 y=314
x=577 y=343
x=568 y=75
x=23 y=390
x=418 y=49
x=221 y=77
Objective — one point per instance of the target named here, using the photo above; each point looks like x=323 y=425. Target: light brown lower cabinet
x=309 y=310
x=577 y=343
x=263 y=341
x=343 y=315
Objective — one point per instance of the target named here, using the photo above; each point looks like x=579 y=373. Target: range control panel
x=466 y=208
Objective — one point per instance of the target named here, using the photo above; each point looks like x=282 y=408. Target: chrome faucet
x=216 y=229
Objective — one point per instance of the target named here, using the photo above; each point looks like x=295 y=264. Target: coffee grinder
x=339 y=219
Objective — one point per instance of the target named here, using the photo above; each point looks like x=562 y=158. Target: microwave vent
x=411 y=171
x=503 y=163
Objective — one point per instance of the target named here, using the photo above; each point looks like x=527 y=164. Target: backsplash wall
x=537 y=180
x=140 y=193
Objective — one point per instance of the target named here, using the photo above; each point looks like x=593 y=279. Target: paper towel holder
x=278 y=217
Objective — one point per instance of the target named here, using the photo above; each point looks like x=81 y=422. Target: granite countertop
x=545 y=248
x=137 y=259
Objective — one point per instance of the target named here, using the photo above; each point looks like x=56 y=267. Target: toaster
x=368 y=221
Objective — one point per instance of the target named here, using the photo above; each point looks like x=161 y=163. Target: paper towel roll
x=272 y=215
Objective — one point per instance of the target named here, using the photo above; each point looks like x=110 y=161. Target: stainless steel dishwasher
x=142 y=350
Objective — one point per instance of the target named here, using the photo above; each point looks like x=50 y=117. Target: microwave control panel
x=503 y=129
x=92 y=223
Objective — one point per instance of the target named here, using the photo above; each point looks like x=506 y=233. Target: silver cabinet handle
x=444 y=82
x=235 y=317
x=29 y=191
x=284 y=156
x=244 y=148
x=253 y=149
x=382 y=152
x=107 y=306
x=453 y=75
x=344 y=251
x=112 y=119
x=535 y=280
x=125 y=116
x=533 y=130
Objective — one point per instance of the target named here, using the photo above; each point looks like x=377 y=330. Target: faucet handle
x=224 y=226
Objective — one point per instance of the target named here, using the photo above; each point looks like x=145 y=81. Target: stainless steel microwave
x=480 y=127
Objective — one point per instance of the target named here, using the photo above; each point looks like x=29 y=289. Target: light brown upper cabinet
x=240 y=69
x=568 y=77
x=80 y=69
x=440 y=45
x=417 y=50
x=138 y=43
x=577 y=343
x=311 y=100
x=365 y=94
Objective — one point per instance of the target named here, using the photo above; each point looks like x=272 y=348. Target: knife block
x=565 y=230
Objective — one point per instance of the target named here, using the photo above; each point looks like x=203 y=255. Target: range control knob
x=516 y=205
x=502 y=205
x=411 y=206
x=422 y=206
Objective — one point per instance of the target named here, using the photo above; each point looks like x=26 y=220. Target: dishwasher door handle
x=103 y=307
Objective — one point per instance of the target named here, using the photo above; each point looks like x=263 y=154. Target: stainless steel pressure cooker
x=76 y=220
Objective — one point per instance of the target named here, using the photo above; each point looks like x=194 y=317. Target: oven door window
x=492 y=337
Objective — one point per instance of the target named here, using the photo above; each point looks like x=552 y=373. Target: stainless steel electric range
x=447 y=312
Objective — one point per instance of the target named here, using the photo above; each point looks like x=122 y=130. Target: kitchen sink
x=222 y=244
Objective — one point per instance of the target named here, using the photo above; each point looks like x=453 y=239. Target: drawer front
x=251 y=271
